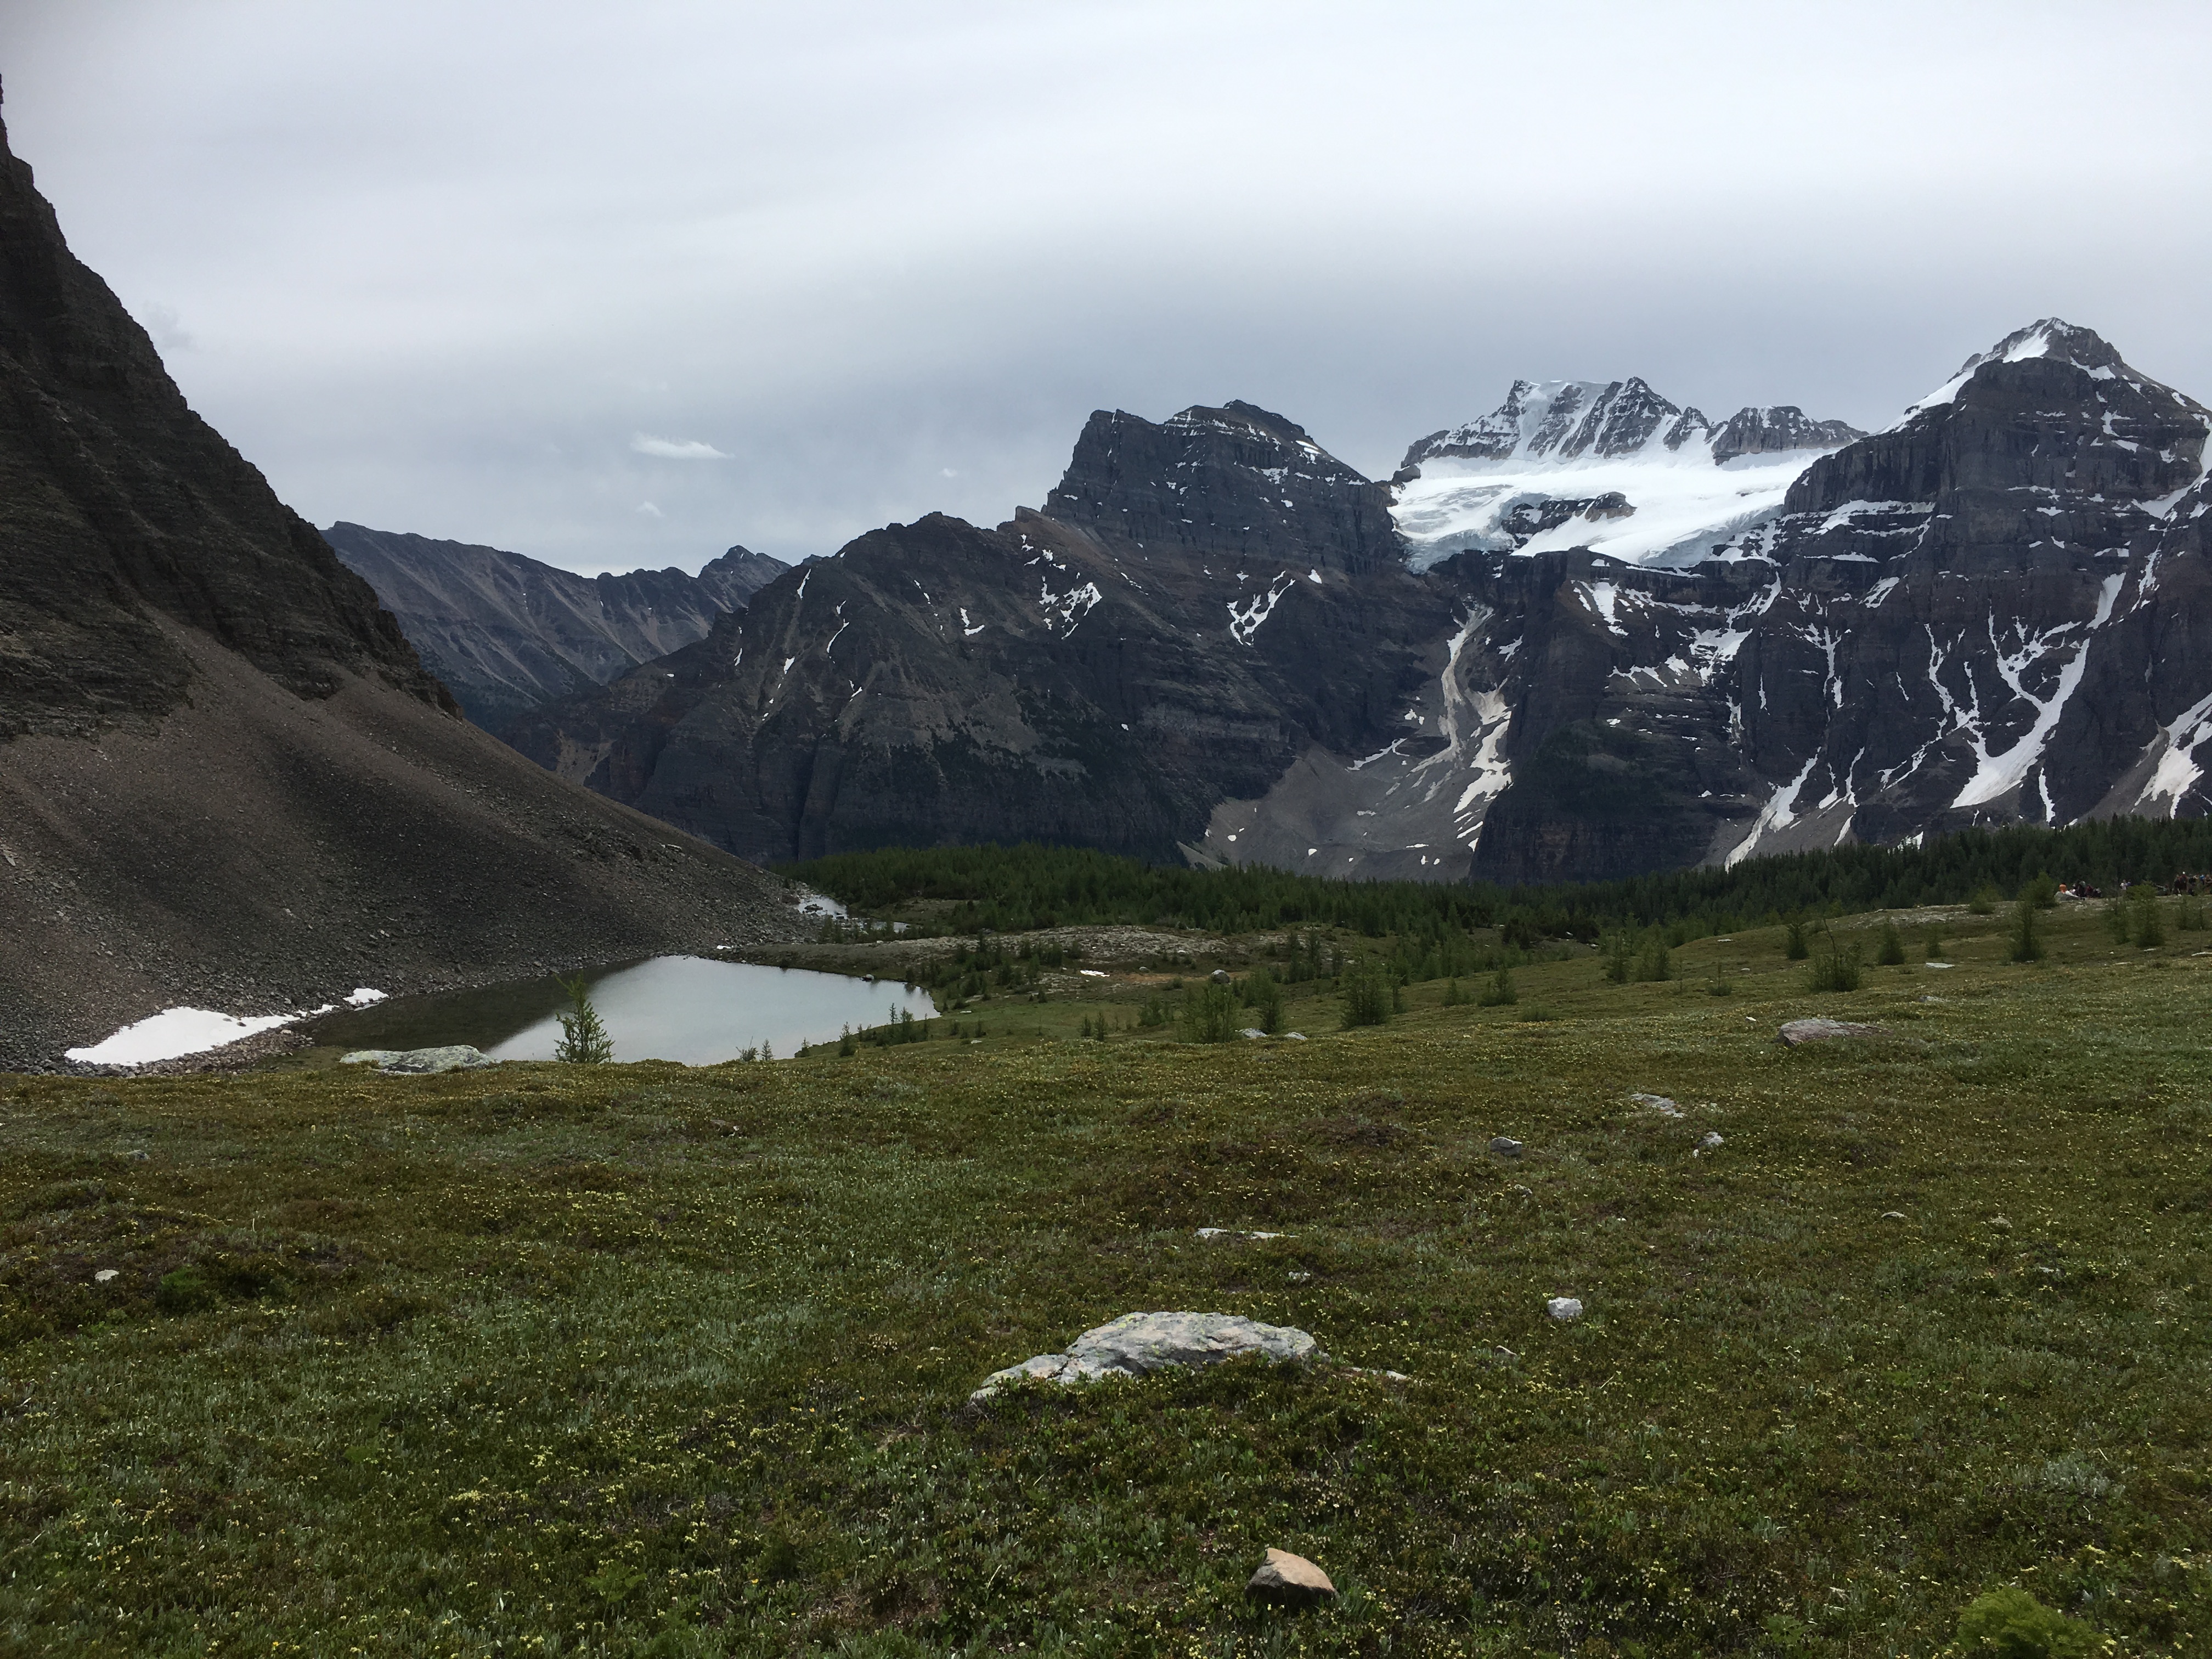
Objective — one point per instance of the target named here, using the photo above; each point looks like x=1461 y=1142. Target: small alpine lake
x=691 y=1009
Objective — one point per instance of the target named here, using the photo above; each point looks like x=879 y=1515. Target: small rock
x=1999 y=1224
x=1289 y=1580
x=1220 y=976
x=1506 y=1146
x=1300 y=1275
x=1712 y=1140
x=1294 y=1037
x=1231 y=1232
x=1658 y=1103
x=1140 y=1342
x=1251 y=1031
x=1892 y=1215
x=419 y=1062
x=1564 y=1309
x=104 y=1275
x=1821 y=1029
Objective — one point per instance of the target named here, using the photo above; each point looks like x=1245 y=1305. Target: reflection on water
x=684 y=1008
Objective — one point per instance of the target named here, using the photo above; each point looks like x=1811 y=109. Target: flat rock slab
x=1289 y=1580
x=419 y=1062
x=1140 y=1342
x=1800 y=1031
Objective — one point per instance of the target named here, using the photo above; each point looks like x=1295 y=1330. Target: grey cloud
x=446 y=268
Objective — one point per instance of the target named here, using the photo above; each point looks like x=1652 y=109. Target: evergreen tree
x=584 y=1039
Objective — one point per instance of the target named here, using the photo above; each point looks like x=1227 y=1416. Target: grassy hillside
x=634 y=1359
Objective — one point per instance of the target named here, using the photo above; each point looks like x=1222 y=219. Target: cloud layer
x=446 y=269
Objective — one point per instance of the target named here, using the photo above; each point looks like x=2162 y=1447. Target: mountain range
x=1589 y=635
x=225 y=777
x=505 y=632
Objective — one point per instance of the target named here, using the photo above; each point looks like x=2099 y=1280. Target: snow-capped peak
x=1610 y=465
x=2050 y=338
x=1566 y=421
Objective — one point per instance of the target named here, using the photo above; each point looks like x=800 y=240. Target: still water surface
x=684 y=1008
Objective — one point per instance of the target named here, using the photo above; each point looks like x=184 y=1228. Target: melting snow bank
x=175 y=1032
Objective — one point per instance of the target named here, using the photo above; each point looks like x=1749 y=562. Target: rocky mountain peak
x=1561 y=420
x=1237 y=481
x=2050 y=407
x=1777 y=430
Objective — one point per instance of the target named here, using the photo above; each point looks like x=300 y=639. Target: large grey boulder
x=419 y=1062
x=1140 y=1342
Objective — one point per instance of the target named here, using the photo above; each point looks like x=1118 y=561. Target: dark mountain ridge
x=505 y=632
x=1213 y=640
x=224 y=775
x=1204 y=599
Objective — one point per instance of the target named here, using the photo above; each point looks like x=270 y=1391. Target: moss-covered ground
x=637 y=1358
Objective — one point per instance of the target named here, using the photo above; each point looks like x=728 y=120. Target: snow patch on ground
x=175 y=1032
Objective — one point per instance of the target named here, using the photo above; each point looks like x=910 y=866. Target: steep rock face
x=1203 y=600
x=505 y=632
x=1990 y=613
x=224 y=775
x=121 y=510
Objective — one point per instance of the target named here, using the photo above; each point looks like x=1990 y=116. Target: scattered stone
x=1232 y=1232
x=1893 y=1215
x=1289 y=1580
x=1564 y=1309
x=1821 y=1029
x=104 y=1275
x=1712 y=1140
x=1506 y=1146
x=418 y=1062
x=1140 y=1342
x=1658 y=1103
x=1300 y=1275
x=1948 y=965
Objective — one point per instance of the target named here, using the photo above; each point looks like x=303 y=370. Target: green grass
x=633 y=1358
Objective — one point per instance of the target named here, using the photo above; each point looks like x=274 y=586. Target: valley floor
x=639 y=1358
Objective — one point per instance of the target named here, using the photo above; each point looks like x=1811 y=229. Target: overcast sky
x=623 y=284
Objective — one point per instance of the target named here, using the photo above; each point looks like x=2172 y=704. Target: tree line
x=1020 y=887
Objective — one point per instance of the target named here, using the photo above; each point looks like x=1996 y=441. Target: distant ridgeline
x=1013 y=889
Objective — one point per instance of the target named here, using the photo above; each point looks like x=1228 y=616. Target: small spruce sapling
x=1794 y=945
x=1889 y=952
x=1935 y=945
x=1500 y=993
x=1837 y=969
x=2149 y=923
x=2027 y=943
x=1366 y=996
x=584 y=1039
